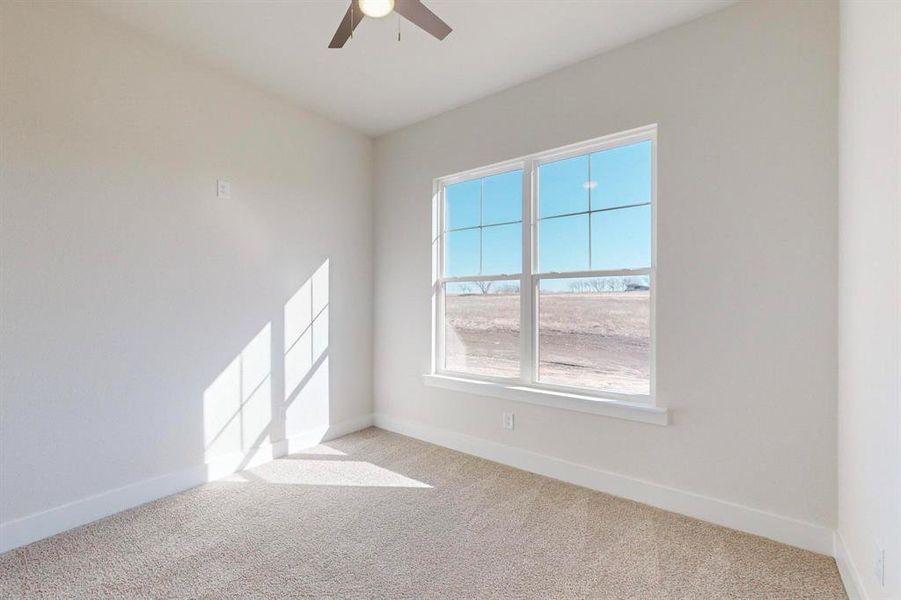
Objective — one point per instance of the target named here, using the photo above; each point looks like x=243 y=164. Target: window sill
x=619 y=409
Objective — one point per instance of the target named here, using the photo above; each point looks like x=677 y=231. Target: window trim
x=529 y=280
x=565 y=400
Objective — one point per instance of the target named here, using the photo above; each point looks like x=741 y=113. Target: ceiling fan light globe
x=376 y=8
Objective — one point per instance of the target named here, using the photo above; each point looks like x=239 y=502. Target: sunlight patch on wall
x=306 y=354
x=306 y=328
x=237 y=406
x=309 y=407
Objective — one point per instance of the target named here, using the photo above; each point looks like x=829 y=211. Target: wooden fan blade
x=351 y=19
x=417 y=13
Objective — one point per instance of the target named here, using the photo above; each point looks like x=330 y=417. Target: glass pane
x=463 y=204
x=563 y=244
x=481 y=328
x=461 y=253
x=621 y=238
x=621 y=176
x=502 y=200
x=563 y=187
x=595 y=333
x=502 y=249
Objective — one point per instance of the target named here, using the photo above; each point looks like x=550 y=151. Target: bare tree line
x=607 y=284
x=576 y=286
x=488 y=287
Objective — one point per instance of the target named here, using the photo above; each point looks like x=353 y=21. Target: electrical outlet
x=223 y=189
x=879 y=565
x=508 y=421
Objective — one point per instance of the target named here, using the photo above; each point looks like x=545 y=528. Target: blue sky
x=611 y=233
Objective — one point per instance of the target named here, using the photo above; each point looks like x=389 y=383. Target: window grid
x=531 y=277
x=481 y=227
x=513 y=222
x=589 y=213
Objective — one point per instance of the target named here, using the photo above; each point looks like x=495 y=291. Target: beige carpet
x=378 y=515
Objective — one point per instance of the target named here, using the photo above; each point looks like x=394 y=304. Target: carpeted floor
x=378 y=515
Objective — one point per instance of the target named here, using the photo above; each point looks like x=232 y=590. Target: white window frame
x=527 y=387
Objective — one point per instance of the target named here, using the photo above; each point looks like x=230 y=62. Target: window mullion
x=438 y=237
x=596 y=273
x=474 y=278
x=526 y=336
x=481 y=222
x=589 y=213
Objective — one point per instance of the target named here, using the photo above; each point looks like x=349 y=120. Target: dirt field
x=592 y=340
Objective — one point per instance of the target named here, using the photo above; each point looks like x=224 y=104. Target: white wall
x=869 y=350
x=129 y=288
x=746 y=102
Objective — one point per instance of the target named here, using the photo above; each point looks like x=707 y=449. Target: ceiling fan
x=412 y=10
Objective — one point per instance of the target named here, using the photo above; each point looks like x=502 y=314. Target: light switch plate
x=223 y=189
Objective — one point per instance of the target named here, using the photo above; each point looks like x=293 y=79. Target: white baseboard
x=312 y=437
x=728 y=514
x=790 y=531
x=847 y=570
x=37 y=526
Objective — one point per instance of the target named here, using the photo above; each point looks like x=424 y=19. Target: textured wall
x=746 y=103
x=143 y=319
x=869 y=309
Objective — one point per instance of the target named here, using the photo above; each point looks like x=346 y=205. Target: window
x=544 y=269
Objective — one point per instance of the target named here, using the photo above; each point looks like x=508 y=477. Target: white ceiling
x=376 y=84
